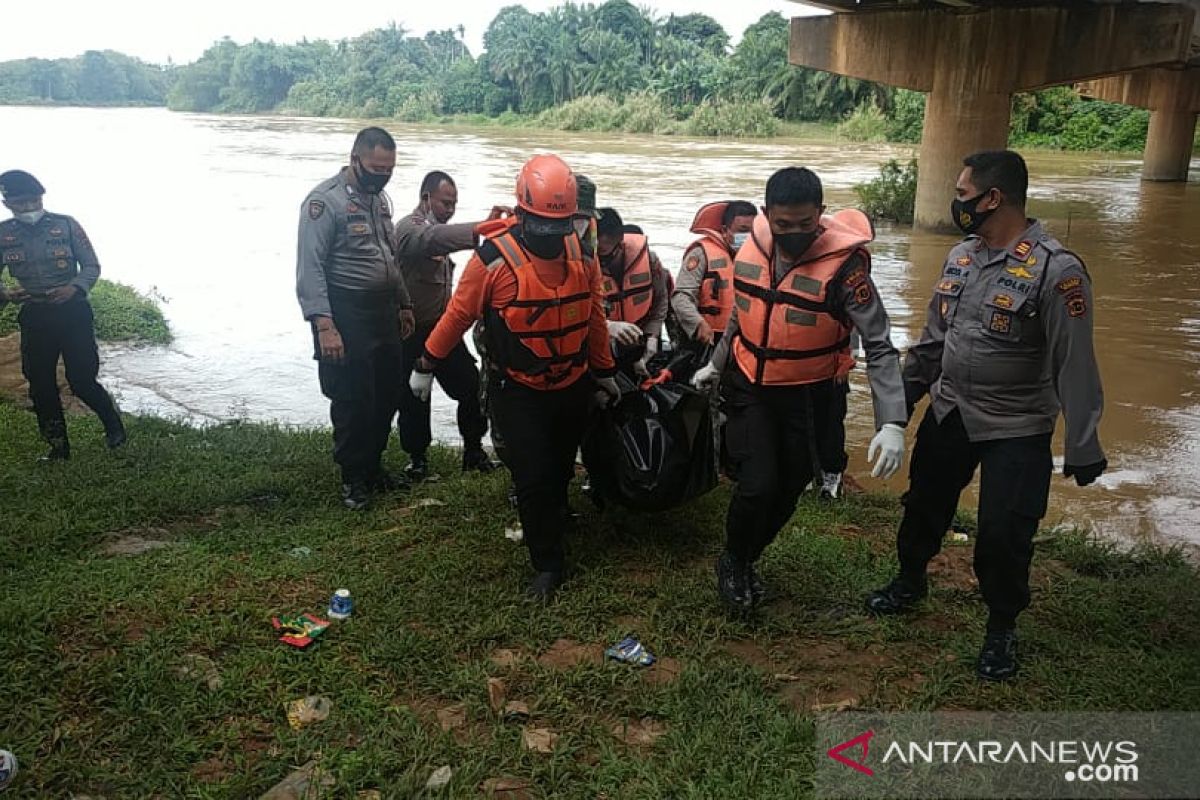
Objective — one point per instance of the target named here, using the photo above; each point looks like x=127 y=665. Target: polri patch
x=1023 y=248
x=1068 y=284
x=1076 y=304
x=316 y=208
x=1001 y=322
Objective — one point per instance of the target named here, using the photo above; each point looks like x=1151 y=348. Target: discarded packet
x=630 y=651
x=299 y=630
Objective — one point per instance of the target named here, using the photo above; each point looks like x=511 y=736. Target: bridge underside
x=971 y=57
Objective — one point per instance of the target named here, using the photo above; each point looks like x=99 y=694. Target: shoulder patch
x=316 y=208
x=1069 y=284
x=963 y=261
x=1076 y=304
x=1023 y=248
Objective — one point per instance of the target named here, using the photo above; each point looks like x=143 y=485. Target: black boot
x=543 y=586
x=476 y=459
x=114 y=433
x=417 y=470
x=55 y=433
x=382 y=482
x=733 y=583
x=758 y=589
x=356 y=495
x=998 y=658
x=899 y=595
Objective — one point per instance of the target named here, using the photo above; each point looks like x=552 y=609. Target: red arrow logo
x=862 y=740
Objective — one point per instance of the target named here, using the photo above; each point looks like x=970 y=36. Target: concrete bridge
x=971 y=56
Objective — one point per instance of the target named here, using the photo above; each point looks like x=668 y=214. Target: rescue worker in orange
x=543 y=310
x=802 y=283
x=703 y=295
x=636 y=292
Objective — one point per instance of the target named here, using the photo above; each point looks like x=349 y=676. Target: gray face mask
x=30 y=217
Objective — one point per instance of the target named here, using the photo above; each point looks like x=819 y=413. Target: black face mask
x=796 y=244
x=545 y=247
x=966 y=217
x=370 y=182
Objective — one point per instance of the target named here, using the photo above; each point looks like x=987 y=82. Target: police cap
x=19 y=183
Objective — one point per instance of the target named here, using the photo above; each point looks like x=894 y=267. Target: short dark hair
x=794 y=186
x=1000 y=169
x=735 y=209
x=370 y=138
x=431 y=182
x=610 y=223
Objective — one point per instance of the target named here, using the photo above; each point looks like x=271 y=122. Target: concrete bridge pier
x=1173 y=97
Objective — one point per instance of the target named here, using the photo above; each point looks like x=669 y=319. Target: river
x=202 y=210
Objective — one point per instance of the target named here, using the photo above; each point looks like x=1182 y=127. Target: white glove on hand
x=888 y=444
x=706 y=378
x=625 y=334
x=611 y=392
x=421 y=385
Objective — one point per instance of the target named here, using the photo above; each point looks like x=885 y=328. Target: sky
x=156 y=31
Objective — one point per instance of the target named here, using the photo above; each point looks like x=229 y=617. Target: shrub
x=893 y=195
x=867 y=124
x=908 y=117
x=589 y=113
x=733 y=118
x=122 y=315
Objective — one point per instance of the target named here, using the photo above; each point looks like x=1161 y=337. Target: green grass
x=91 y=644
x=123 y=314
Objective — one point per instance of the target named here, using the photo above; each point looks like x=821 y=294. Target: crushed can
x=341 y=605
x=630 y=651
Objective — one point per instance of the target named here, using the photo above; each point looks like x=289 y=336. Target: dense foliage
x=611 y=66
x=892 y=195
x=96 y=78
x=123 y=314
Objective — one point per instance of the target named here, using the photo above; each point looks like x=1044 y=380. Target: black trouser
x=49 y=331
x=771 y=437
x=1014 y=488
x=459 y=378
x=542 y=432
x=363 y=389
x=831 y=431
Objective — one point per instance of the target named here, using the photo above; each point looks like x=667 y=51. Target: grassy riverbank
x=96 y=645
x=123 y=314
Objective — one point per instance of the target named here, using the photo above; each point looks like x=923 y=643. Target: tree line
x=608 y=66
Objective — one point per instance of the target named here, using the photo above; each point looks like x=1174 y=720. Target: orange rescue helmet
x=546 y=187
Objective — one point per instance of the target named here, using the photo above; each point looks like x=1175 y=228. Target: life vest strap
x=776 y=297
x=763 y=353
x=550 y=334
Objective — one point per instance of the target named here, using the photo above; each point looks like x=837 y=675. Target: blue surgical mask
x=739 y=239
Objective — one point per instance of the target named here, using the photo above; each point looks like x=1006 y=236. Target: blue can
x=341 y=605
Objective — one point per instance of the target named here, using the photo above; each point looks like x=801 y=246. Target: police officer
x=547 y=335
x=636 y=292
x=802 y=283
x=353 y=295
x=1007 y=343
x=424 y=242
x=703 y=295
x=52 y=259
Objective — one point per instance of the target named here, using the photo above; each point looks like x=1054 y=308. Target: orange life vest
x=632 y=300
x=540 y=339
x=715 y=301
x=788 y=334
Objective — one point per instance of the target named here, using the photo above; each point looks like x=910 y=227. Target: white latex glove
x=610 y=393
x=625 y=334
x=421 y=384
x=706 y=378
x=888 y=444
